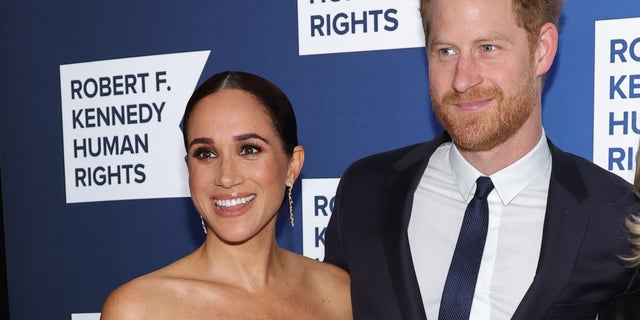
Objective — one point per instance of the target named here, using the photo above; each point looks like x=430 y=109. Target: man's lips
x=472 y=105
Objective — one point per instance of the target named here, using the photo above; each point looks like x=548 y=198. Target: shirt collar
x=508 y=182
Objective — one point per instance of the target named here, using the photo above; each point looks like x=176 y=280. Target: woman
x=243 y=156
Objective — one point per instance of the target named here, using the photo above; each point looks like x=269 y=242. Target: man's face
x=481 y=72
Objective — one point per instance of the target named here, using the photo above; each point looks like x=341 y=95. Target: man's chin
x=477 y=143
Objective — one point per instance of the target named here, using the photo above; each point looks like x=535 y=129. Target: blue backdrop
x=65 y=258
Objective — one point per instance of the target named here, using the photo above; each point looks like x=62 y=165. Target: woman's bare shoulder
x=332 y=285
x=326 y=272
x=133 y=299
x=142 y=297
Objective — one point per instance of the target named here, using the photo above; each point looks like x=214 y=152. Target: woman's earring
x=204 y=226
x=290 y=186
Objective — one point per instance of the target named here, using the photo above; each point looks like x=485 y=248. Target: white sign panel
x=616 y=108
x=317 y=205
x=331 y=26
x=85 y=316
x=121 y=126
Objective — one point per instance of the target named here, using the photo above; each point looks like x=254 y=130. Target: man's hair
x=529 y=15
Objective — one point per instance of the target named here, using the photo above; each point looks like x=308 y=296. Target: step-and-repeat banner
x=94 y=181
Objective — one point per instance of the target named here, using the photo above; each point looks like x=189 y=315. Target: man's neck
x=505 y=154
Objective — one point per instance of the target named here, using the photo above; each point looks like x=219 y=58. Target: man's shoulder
x=577 y=170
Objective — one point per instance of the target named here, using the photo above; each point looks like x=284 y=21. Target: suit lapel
x=396 y=212
x=564 y=228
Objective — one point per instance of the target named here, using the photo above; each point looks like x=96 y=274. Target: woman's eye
x=250 y=149
x=204 y=154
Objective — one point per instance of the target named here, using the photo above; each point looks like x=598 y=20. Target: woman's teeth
x=233 y=202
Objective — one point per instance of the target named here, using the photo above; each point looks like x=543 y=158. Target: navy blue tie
x=463 y=271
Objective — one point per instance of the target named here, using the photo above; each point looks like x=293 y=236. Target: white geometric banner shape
x=318 y=196
x=85 y=316
x=616 y=101
x=121 y=126
x=333 y=26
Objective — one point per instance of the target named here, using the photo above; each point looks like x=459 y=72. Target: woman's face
x=238 y=169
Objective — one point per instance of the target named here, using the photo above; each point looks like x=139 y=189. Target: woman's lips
x=233 y=206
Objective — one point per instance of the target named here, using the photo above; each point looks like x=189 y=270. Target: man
x=555 y=221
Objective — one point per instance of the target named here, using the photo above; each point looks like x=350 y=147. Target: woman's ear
x=295 y=164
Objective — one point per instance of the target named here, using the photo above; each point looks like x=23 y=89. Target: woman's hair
x=633 y=223
x=636 y=181
x=529 y=14
x=275 y=102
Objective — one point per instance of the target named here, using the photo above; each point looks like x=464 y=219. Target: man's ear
x=546 y=49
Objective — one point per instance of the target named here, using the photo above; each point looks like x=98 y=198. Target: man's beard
x=485 y=129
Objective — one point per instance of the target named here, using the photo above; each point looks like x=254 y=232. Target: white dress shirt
x=517 y=208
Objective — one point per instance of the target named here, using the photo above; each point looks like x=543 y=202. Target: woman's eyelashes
x=250 y=149
x=203 y=153
x=244 y=149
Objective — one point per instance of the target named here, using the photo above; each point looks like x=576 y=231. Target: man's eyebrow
x=486 y=38
x=493 y=37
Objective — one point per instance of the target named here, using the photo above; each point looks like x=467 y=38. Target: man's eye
x=488 y=48
x=447 y=51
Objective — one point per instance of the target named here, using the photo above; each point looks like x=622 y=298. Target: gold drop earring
x=204 y=226
x=290 y=186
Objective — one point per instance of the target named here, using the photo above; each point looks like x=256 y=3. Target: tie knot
x=483 y=187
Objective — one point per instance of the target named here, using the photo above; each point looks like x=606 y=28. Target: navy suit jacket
x=578 y=268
